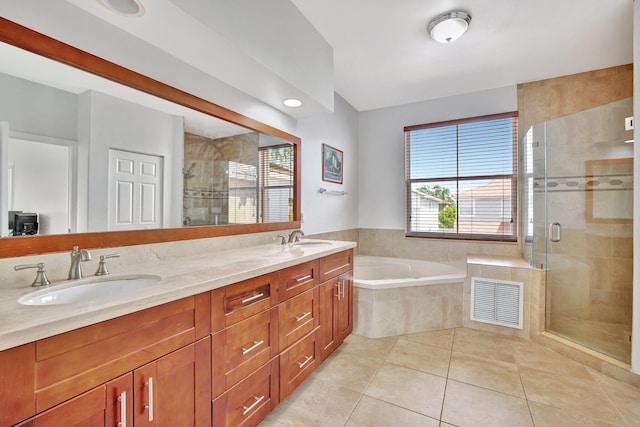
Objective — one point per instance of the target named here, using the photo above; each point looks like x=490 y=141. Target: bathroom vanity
x=220 y=344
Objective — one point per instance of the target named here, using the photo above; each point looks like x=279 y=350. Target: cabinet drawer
x=242 y=300
x=298 y=316
x=297 y=363
x=333 y=265
x=240 y=349
x=250 y=401
x=297 y=279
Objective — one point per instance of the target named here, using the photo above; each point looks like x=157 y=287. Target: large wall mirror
x=97 y=155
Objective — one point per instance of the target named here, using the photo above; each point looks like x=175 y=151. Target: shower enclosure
x=577 y=198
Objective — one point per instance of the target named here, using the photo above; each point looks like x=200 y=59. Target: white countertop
x=180 y=278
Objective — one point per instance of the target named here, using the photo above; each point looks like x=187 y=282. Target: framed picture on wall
x=331 y=164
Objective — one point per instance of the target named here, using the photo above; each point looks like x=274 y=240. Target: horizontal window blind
x=461 y=178
x=276 y=183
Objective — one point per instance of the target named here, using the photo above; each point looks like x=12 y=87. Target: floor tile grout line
x=446 y=382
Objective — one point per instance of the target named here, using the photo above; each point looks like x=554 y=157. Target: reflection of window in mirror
x=609 y=191
x=276 y=183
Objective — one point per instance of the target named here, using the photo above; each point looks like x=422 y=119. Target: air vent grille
x=497 y=302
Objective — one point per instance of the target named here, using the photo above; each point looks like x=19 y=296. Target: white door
x=135 y=190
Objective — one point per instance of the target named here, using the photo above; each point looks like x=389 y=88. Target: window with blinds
x=461 y=178
x=276 y=183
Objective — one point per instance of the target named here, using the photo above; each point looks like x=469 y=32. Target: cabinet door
x=119 y=406
x=175 y=390
x=344 y=321
x=336 y=313
x=327 y=339
x=17 y=384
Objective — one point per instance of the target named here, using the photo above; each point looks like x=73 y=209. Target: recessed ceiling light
x=292 y=102
x=449 y=26
x=131 y=8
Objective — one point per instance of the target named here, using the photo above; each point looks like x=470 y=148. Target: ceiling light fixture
x=449 y=26
x=132 y=8
x=292 y=102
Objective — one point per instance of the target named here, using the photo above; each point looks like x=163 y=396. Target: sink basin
x=89 y=291
x=311 y=243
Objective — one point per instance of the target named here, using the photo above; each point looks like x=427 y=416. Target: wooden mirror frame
x=30 y=40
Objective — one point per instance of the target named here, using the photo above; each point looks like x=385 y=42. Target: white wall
x=37 y=186
x=114 y=123
x=321 y=212
x=37 y=109
x=381 y=160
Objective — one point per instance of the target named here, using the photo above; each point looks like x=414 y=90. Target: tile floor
x=456 y=377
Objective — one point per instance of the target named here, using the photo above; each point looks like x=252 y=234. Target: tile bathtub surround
x=389 y=312
x=455 y=377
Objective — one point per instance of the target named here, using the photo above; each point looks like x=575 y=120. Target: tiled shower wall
x=206 y=194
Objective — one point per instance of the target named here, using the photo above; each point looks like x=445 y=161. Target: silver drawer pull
x=300 y=279
x=123 y=409
x=149 y=407
x=302 y=316
x=306 y=360
x=255 y=345
x=253 y=298
x=257 y=400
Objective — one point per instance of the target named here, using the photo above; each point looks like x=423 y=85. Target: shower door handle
x=555 y=232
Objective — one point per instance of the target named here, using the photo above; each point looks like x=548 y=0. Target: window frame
x=513 y=177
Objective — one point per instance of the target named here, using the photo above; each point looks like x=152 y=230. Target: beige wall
x=544 y=100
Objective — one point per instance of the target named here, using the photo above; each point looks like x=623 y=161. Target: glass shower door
x=582 y=176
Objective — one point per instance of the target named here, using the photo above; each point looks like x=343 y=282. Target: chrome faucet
x=295 y=236
x=77 y=257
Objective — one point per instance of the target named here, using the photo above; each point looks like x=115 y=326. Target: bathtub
x=396 y=296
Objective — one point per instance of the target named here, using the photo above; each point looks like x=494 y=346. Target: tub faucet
x=295 y=236
x=77 y=257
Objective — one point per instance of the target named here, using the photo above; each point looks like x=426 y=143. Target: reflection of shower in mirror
x=188 y=173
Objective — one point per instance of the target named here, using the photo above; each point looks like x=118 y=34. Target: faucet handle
x=41 y=275
x=102 y=265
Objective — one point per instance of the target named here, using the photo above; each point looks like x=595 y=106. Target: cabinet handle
x=149 y=407
x=255 y=345
x=123 y=409
x=257 y=400
x=342 y=283
x=302 y=316
x=253 y=298
x=300 y=279
x=306 y=360
x=338 y=294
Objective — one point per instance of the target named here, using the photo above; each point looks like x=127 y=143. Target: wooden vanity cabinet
x=222 y=358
